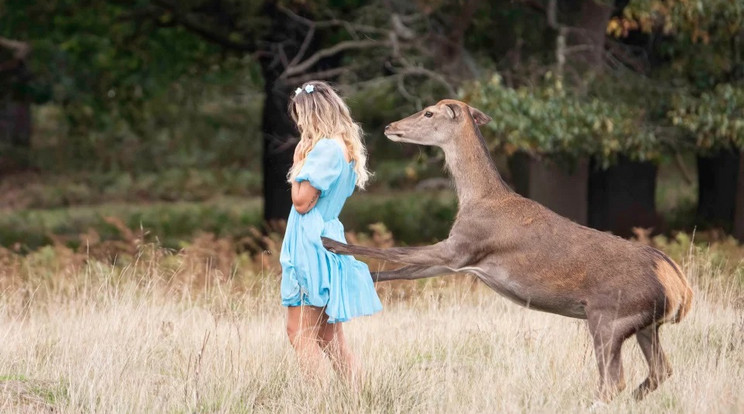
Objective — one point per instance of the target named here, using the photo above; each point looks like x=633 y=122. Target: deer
x=537 y=258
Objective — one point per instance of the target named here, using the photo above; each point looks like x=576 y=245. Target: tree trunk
x=586 y=39
x=717 y=182
x=15 y=107
x=739 y=209
x=519 y=173
x=15 y=123
x=277 y=130
x=623 y=196
x=15 y=135
x=449 y=48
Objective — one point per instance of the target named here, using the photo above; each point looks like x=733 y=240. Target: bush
x=715 y=119
x=411 y=217
x=548 y=120
x=53 y=191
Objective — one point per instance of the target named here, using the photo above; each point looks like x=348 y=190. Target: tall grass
x=185 y=332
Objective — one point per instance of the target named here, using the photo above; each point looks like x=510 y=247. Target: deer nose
x=387 y=127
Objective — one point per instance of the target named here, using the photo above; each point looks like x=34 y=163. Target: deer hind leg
x=608 y=336
x=410 y=272
x=658 y=365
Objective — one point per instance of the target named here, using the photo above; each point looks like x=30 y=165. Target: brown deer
x=537 y=258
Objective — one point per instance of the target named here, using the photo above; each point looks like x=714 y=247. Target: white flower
x=297 y=91
x=309 y=88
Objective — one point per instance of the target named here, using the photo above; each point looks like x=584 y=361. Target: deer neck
x=472 y=168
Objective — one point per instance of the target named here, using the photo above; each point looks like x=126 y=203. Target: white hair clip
x=308 y=89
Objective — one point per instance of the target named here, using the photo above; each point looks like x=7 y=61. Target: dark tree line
x=86 y=52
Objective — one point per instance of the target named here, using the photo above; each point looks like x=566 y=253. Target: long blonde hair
x=319 y=112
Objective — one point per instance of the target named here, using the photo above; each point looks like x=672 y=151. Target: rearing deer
x=537 y=258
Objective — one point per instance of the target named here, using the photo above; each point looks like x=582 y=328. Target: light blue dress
x=311 y=275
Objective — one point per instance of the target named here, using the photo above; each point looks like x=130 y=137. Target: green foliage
x=552 y=121
x=702 y=39
x=98 y=55
x=208 y=122
x=187 y=184
x=168 y=223
x=715 y=119
x=173 y=223
x=413 y=217
x=134 y=90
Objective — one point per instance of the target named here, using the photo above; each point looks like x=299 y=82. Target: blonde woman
x=321 y=289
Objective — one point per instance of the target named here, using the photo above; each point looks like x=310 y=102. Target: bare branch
x=303 y=48
x=419 y=71
x=282 y=55
x=404 y=92
x=551 y=13
x=322 y=74
x=294 y=16
x=20 y=49
x=625 y=56
x=578 y=48
x=331 y=51
x=535 y=5
x=193 y=24
x=352 y=28
x=400 y=29
x=560 y=51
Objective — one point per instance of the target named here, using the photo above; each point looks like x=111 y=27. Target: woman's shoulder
x=330 y=147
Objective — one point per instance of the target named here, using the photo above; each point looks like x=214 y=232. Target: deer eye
x=428 y=114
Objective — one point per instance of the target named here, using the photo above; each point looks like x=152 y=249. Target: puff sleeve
x=323 y=165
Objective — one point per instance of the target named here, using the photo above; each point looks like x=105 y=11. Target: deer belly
x=533 y=297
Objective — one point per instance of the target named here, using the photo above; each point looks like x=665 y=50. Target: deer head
x=438 y=124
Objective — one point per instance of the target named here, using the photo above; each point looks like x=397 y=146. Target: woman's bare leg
x=303 y=324
x=333 y=342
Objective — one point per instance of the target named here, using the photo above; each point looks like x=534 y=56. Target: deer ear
x=451 y=110
x=479 y=117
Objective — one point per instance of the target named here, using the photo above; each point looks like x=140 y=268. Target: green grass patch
x=12 y=377
x=87 y=188
x=168 y=223
x=412 y=217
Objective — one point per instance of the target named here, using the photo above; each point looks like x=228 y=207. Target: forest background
x=170 y=117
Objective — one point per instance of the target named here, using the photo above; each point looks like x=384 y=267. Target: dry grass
x=185 y=333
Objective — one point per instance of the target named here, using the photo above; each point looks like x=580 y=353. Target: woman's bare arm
x=304 y=196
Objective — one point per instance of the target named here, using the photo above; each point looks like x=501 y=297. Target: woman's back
x=327 y=170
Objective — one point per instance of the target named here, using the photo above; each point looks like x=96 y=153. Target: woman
x=321 y=289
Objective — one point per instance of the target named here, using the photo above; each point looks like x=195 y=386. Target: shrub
x=715 y=119
x=412 y=218
x=551 y=121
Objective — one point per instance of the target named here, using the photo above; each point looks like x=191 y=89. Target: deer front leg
x=440 y=254
x=410 y=272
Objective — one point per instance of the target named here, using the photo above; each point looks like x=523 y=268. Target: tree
x=574 y=112
x=100 y=64
x=297 y=42
x=715 y=119
x=103 y=60
x=15 y=113
x=703 y=46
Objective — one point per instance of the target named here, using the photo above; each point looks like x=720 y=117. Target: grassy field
x=179 y=332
